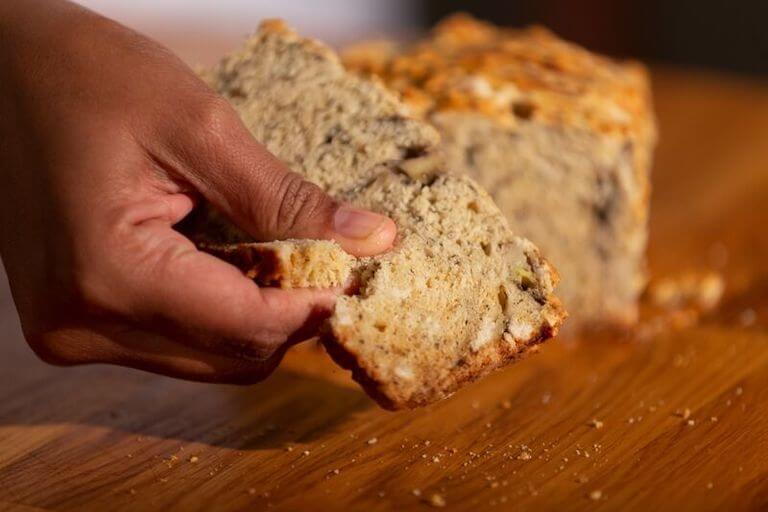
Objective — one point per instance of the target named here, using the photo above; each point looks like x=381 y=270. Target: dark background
x=731 y=36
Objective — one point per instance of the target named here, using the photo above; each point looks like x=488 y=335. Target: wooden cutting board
x=103 y=438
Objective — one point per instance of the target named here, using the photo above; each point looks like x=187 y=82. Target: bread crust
x=517 y=74
x=337 y=348
x=256 y=262
x=288 y=263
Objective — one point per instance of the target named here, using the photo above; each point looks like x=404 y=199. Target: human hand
x=107 y=141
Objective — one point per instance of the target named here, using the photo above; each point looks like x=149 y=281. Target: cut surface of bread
x=562 y=139
x=459 y=295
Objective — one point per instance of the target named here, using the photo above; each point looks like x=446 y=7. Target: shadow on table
x=288 y=407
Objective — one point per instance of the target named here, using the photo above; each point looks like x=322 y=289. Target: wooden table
x=102 y=438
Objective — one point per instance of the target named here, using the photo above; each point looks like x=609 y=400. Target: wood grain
x=102 y=438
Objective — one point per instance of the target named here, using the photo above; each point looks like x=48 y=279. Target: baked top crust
x=510 y=74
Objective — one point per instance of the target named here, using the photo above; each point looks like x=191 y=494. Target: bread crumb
x=524 y=455
x=372 y=440
x=416 y=492
x=739 y=391
x=305 y=452
x=506 y=404
x=713 y=419
x=596 y=423
x=698 y=290
x=596 y=495
x=691 y=423
x=334 y=472
x=289 y=448
x=437 y=500
x=683 y=413
x=747 y=317
x=194 y=459
x=435 y=459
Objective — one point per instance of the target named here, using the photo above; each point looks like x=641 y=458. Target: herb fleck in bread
x=561 y=138
x=459 y=295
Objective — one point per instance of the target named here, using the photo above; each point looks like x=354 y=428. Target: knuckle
x=301 y=202
x=213 y=116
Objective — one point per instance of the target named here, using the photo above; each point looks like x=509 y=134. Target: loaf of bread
x=561 y=138
x=459 y=295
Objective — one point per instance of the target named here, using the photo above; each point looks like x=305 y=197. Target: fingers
x=136 y=348
x=165 y=283
x=259 y=193
x=164 y=307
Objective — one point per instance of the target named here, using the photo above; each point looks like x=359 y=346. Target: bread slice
x=561 y=138
x=289 y=263
x=459 y=295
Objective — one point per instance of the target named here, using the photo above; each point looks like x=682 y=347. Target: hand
x=106 y=141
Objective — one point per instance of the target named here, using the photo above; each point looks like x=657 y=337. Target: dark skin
x=107 y=140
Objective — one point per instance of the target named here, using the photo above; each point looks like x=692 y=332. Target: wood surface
x=104 y=438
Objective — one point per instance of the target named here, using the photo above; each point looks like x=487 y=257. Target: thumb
x=262 y=196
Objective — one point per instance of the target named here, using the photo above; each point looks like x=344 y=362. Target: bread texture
x=561 y=138
x=459 y=295
x=289 y=263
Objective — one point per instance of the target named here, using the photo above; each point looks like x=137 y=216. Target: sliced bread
x=459 y=294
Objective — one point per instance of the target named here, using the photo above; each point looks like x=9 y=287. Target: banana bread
x=561 y=138
x=459 y=295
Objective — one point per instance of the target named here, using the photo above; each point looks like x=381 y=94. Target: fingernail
x=359 y=224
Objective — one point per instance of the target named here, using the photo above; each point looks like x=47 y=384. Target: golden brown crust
x=288 y=263
x=467 y=64
x=514 y=76
x=255 y=261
